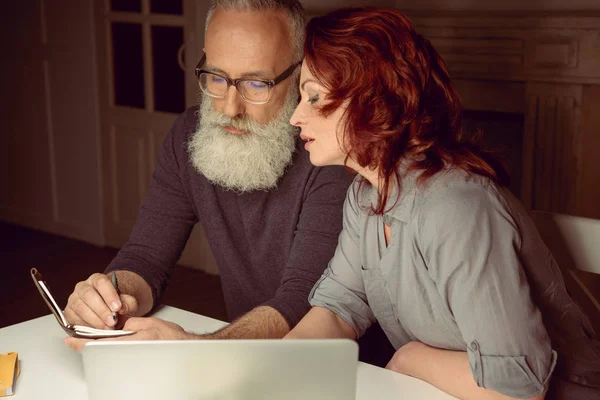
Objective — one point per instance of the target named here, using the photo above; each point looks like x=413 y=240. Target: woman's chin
x=322 y=161
x=316 y=160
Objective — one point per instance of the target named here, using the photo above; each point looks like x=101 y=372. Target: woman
x=434 y=247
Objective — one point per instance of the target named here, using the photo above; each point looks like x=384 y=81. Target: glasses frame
x=271 y=83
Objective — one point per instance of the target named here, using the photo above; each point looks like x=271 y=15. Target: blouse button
x=474 y=346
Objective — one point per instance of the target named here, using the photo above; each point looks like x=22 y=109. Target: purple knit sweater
x=270 y=246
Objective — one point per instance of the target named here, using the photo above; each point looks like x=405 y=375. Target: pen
x=113 y=279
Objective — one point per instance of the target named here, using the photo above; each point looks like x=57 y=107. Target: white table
x=50 y=370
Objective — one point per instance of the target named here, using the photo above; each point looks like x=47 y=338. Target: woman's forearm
x=445 y=369
x=321 y=323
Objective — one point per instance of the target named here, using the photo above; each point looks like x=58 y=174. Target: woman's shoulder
x=360 y=195
x=453 y=190
x=453 y=179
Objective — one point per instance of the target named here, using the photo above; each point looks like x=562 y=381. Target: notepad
x=77 y=331
x=9 y=372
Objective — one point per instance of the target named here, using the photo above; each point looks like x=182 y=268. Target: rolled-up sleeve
x=471 y=246
x=341 y=288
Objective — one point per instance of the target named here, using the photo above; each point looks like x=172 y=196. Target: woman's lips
x=308 y=141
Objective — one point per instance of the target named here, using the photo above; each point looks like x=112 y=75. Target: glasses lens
x=213 y=84
x=256 y=91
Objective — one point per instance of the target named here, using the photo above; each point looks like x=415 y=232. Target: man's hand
x=260 y=323
x=145 y=328
x=94 y=300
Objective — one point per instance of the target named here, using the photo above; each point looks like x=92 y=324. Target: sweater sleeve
x=165 y=219
x=314 y=244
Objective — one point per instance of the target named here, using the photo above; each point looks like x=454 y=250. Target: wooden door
x=147 y=53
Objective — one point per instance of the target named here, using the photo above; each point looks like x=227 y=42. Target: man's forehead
x=247 y=41
x=239 y=62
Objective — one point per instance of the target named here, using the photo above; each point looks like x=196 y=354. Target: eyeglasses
x=254 y=91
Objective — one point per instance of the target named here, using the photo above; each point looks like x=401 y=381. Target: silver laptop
x=221 y=369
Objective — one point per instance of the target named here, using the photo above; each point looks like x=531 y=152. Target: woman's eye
x=313 y=99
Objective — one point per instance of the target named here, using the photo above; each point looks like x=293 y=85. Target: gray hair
x=293 y=9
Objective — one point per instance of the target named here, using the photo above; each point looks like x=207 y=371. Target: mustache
x=243 y=122
x=214 y=119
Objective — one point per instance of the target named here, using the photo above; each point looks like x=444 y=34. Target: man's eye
x=256 y=85
x=217 y=79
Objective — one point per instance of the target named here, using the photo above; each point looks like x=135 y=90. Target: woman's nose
x=296 y=118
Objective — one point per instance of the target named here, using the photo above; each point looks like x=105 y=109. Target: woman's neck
x=371 y=175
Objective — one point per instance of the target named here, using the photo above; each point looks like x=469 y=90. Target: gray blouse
x=451 y=277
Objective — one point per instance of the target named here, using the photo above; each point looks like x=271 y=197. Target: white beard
x=247 y=162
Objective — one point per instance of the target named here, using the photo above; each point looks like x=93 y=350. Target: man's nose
x=234 y=104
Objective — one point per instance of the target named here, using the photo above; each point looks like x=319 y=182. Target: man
x=271 y=218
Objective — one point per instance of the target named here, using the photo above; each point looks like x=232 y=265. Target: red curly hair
x=400 y=100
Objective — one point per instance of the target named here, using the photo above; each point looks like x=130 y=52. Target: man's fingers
x=87 y=307
x=128 y=309
x=121 y=321
x=94 y=303
x=72 y=317
x=135 y=324
x=138 y=324
x=75 y=343
x=78 y=312
x=109 y=294
x=92 y=294
x=129 y=305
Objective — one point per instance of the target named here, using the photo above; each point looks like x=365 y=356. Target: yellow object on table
x=9 y=372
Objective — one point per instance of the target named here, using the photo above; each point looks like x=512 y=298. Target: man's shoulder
x=186 y=122
x=181 y=131
x=328 y=183
x=301 y=163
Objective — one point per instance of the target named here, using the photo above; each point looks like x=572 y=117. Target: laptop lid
x=221 y=369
